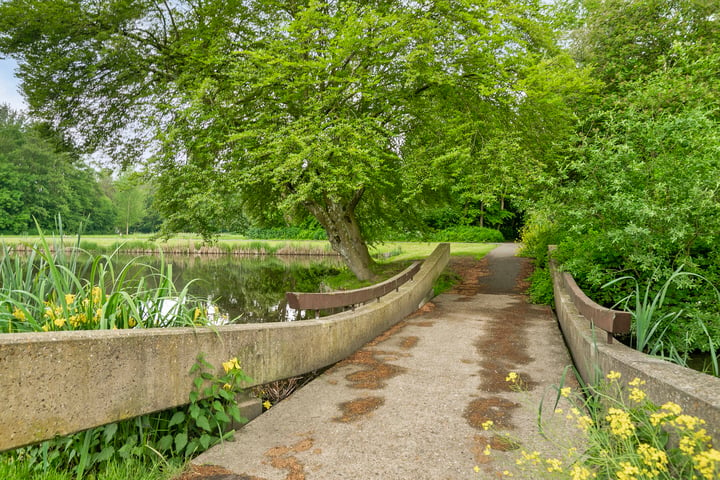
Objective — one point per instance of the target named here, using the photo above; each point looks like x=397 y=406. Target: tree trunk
x=338 y=220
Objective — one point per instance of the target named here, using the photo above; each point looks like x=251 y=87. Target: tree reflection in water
x=248 y=289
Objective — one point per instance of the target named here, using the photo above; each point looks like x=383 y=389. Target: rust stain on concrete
x=356 y=409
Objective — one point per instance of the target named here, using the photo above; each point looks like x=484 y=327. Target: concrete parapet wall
x=696 y=392
x=57 y=383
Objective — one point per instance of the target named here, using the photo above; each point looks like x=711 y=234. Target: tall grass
x=650 y=322
x=63 y=287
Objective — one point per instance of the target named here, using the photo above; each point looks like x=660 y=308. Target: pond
x=247 y=289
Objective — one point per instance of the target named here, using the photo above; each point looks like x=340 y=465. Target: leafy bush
x=540 y=290
x=469 y=234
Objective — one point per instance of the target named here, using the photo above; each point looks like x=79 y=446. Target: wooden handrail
x=612 y=321
x=347 y=298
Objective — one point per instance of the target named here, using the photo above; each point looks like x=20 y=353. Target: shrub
x=470 y=234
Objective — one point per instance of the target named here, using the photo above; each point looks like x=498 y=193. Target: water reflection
x=247 y=289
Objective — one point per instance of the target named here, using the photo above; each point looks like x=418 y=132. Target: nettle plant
x=172 y=435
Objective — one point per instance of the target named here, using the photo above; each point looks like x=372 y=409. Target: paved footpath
x=411 y=403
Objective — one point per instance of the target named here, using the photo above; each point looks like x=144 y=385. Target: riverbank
x=187 y=244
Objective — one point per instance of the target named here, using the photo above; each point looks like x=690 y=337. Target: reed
x=55 y=287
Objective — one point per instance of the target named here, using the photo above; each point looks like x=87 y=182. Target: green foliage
x=447 y=280
x=638 y=195
x=467 y=234
x=541 y=289
x=64 y=288
x=294 y=233
x=176 y=434
x=38 y=182
x=355 y=113
x=622 y=433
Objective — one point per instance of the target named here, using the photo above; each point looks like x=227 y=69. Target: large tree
x=335 y=108
x=38 y=183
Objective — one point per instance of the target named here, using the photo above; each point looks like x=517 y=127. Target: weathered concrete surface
x=62 y=382
x=697 y=393
x=411 y=403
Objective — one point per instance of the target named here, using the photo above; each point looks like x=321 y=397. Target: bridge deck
x=411 y=404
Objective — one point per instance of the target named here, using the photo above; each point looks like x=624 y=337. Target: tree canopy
x=353 y=112
x=40 y=183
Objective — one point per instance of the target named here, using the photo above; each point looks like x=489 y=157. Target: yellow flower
x=620 y=422
x=487 y=450
x=487 y=425
x=554 y=465
x=637 y=395
x=628 y=471
x=708 y=463
x=507 y=473
x=231 y=364
x=565 y=392
x=636 y=382
x=687 y=422
x=512 y=377
x=672 y=407
x=46 y=328
x=131 y=322
x=267 y=404
x=19 y=314
x=578 y=472
x=96 y=294
x=613 y=375
x=668 y=410
x=69 y=298
x=654 y=458
x=531 y=458
x=687 y=445
x=227 y=386
x=476 y=469
x=59 y=322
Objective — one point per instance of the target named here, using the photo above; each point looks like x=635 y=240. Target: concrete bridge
x=411 y=403
x=408 y=398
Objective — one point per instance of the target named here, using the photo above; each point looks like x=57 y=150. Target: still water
x=247 y=289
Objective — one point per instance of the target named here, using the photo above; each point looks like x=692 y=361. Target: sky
x=9 y=84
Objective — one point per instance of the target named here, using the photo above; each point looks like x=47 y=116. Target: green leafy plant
x=650 y=322
x=58 y=287
x=169 y=437
x=622 y=434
